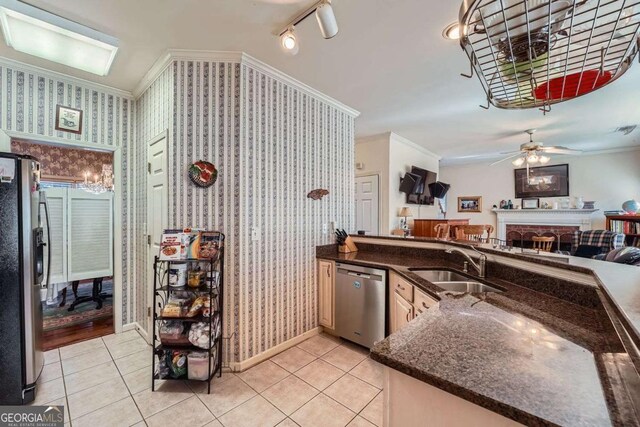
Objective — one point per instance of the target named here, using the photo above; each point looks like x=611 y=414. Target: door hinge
x=149 y=167
x=148 y=311
x=149 y=239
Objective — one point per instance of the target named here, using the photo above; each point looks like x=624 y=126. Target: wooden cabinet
x=405 y=302
x=422 y=302
x=424 y=227
x=400 y=299
x=326 y=293
x=402 y=312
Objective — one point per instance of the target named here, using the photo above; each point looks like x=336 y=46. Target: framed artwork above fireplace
x=544 y=181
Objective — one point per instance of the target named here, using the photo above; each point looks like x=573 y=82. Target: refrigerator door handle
x=43 y=202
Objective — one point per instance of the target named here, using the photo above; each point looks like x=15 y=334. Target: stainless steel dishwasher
x=360 y=304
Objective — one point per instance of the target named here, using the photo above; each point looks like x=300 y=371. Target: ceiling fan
x=533 y=153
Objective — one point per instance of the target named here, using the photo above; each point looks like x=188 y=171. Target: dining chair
x=473 y=232
x=543 y=243
x=442 y=231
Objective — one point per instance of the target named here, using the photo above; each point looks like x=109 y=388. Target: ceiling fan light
x=533 y=158
x=289 y=42
x=518 y=162
x=544 y=160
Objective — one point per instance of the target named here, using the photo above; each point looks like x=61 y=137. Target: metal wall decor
x=535 y=53
x=317 y=194
x=203 y=174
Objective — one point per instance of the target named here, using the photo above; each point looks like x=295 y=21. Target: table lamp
x=404 y=213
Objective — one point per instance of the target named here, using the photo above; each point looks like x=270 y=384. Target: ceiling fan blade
x=506 y=158
x=507 y=153
x=560 y=150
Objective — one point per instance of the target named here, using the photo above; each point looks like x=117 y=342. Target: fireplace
x=520 y=235
x=516 y=227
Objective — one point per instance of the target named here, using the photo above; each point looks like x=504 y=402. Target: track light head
x=289 y=42
x=326 y=20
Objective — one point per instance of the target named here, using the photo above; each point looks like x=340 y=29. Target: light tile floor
x=323 y=381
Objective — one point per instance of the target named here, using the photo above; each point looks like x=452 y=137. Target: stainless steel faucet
x=481 y=266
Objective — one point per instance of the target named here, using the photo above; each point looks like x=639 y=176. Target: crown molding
x=285 y=78
x=27 y=68
x=401 y=139
x=233 y=57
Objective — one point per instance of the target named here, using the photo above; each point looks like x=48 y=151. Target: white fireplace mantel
x=565 y=217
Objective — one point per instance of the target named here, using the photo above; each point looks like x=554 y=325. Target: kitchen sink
x=453 y=282
x=466 y=286
x=439 y=275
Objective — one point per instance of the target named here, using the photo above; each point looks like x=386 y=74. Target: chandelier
x=101 y=183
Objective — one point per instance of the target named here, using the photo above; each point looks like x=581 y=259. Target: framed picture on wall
x=544 y=181
x=533 y=203
x=470 y=204
x=68 y=119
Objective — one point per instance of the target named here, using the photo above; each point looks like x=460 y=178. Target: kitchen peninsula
x=557 y=345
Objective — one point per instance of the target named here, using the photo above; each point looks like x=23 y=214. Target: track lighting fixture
x=288 y=42
x=326 y=21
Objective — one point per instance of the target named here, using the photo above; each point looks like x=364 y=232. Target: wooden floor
x=76 y=333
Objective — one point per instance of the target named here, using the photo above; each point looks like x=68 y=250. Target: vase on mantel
x=579 y=202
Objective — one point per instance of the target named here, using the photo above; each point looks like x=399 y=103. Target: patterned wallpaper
x=153 y=114
x=272 y=143
x=63 y=163
x=28 y=99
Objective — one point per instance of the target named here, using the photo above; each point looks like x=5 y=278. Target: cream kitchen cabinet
x=400 y=299
x=326 y=293
x=405 y=302
x=401 y=312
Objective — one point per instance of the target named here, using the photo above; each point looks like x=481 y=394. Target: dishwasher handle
x=361 y=275
x=366 y=276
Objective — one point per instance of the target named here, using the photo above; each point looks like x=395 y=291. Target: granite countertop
x=530 y=356
x=621 y=283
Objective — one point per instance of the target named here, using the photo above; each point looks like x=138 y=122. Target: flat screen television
x=421 y=194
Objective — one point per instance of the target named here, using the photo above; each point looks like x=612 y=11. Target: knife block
x=348 y=247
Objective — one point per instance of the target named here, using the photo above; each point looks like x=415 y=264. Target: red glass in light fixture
x=572 y=85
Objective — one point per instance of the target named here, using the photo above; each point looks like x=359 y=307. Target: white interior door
x=157 y=208
x=367 y=204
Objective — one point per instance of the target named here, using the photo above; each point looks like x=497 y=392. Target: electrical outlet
x=325 y=228
x=255 y=234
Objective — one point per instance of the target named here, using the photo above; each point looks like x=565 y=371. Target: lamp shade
x=405 y=212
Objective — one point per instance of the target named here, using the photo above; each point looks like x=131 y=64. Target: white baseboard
x=246 y=364
x=135 y=326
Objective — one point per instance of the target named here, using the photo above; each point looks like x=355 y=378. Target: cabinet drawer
x=422 y=302
x=402 y=287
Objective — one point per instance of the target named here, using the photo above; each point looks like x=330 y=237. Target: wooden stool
x=543 y=243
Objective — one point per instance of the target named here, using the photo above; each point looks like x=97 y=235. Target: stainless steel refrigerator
x=22 y=246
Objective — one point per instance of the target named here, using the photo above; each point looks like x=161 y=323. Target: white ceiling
x=389 y=61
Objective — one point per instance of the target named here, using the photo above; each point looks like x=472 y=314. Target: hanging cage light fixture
x=536 y=53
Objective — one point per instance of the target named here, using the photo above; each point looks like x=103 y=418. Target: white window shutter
x=90 y=231
x=57 y=204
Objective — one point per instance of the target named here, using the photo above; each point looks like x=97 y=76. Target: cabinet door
x=422 y=302
x=402 y=313
x=326 y=294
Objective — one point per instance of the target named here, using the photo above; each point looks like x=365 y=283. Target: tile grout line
x=125 y=383
x=64 y=385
